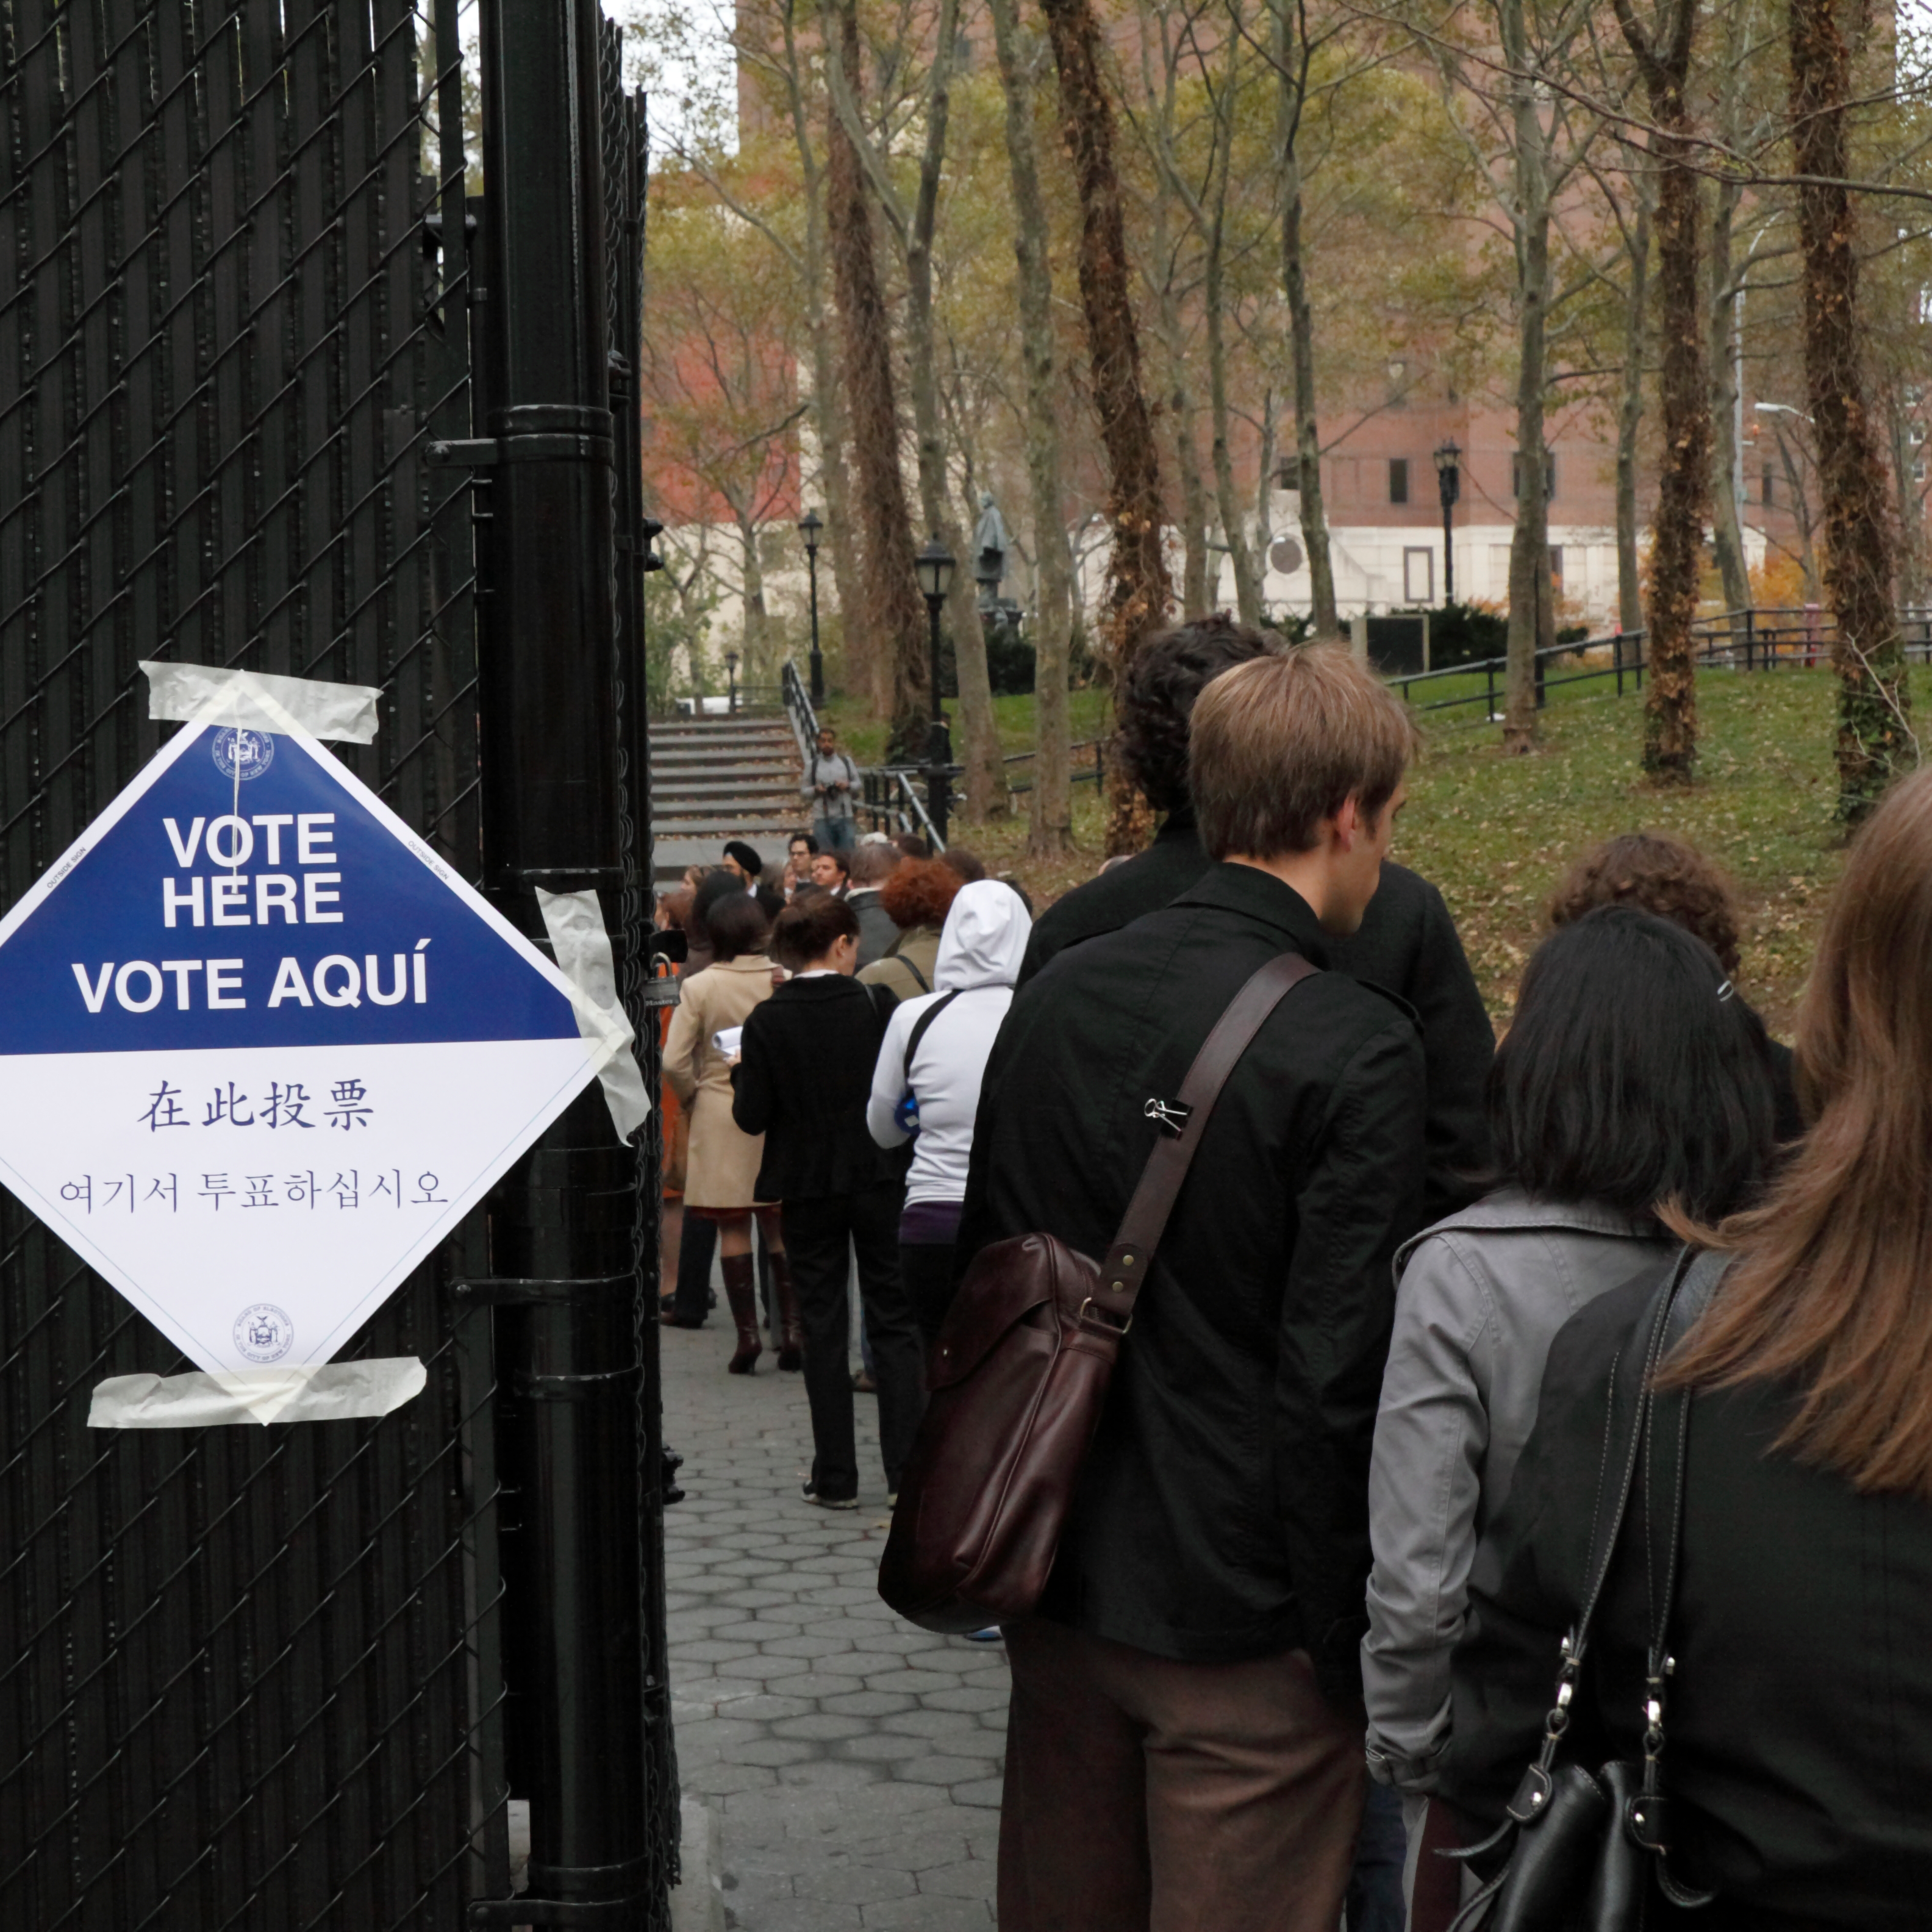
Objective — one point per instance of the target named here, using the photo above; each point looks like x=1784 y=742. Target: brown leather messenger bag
x=1021 y=1370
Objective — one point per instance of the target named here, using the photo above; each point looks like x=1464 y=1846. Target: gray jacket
x=1479 y=1299
x=876 y=929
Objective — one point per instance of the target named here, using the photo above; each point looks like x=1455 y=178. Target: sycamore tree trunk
x=891 y=585
x=1529 y=543
x=1726 y=294
x=1050 y=827
x=858 y=633
x=1233 y=523
x=1291 y=54
x=1684 y=481
x=1874 y=733
x=1138 y=596
x=1630 y=416
x=985 y=771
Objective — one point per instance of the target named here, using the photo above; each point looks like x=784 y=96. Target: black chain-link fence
x=253 y=1676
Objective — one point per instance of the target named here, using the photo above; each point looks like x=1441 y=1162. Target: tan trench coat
x=721 y=1167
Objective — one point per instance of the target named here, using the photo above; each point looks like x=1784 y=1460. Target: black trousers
x=817 y=1235
x=927 y=1267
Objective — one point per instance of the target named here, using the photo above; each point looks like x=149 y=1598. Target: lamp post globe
x=809 y=528
x=935 y=565
x=1449 y=486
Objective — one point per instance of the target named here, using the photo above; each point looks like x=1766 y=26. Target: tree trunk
x=1529 y=543
x=891 y=583
x=1050 y=805
x=1291 y=64
x=1874 y=736
x=1726 y=526
x=1234 y=522
x=1629 y=418
x=858 y=633
x=1138 y=596
x=752 y=627
x=1683 y=481
x=1198 y=573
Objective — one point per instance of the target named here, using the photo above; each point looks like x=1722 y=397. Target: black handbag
x=1588 y=1850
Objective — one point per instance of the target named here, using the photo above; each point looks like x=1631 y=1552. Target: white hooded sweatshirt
x=980 y=948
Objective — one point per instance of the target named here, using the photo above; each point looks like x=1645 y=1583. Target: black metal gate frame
x=254 y=1678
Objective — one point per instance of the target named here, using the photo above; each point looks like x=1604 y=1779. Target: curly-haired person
x=1672 y=879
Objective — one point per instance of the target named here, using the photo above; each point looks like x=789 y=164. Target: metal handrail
x=1095 y=773
x=889 y=793
x=798 y=709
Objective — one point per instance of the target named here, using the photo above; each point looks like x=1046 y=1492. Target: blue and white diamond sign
x=260 y=1049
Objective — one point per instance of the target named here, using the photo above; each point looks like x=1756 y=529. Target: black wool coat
x=1798 y=1728
x=1223 y=1512
x=803 y=1077
x=1407 y=943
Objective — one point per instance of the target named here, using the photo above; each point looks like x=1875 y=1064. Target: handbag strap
x=1145 y=1221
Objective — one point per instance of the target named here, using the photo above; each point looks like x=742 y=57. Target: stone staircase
x=715 y=778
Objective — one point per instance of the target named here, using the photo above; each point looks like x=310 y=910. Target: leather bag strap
x=1145 y=1221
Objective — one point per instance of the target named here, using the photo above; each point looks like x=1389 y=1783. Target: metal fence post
x=562 y=1222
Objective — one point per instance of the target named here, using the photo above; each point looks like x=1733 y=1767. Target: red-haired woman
x=1798 y=1704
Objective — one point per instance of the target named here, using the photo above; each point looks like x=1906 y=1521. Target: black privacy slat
x=250 y=1678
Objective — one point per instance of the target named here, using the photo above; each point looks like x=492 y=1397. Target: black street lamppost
x=731 y=676
x=1449 y=483
x=935 y=566
x=809 y=528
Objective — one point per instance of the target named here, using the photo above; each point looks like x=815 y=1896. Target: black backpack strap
x=919 y=1025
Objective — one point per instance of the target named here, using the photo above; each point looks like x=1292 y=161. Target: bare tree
x=1138 y=593
x=1050 y=830
x=891 y=583
x=1662 y=50
x=1874 y=735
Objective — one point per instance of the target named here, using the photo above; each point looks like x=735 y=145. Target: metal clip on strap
x=1145 y=1221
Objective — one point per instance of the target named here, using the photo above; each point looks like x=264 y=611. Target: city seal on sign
x=263 y=1333
x=240 y=754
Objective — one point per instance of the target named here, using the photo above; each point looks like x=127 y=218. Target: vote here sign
x=260 y=1048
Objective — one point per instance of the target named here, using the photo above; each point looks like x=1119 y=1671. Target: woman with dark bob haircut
x=1799 y=1705
x=1631 y=1079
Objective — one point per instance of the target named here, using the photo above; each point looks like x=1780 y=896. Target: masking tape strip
x=345 y=713
x=322 y=1392
x=575 y=923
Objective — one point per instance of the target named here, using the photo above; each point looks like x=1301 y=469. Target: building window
x=1418 y=576
x=1770 y=488
x=1556 y=564
x=1914 y=433
x=1398 y=479
x=1919 y=471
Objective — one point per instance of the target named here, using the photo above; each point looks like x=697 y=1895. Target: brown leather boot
x=741 y=1291
x=791 y=1339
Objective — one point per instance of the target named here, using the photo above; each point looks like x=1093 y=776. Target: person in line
x=1798 y=1755
x=926 y=1087
x=801 y=848
x=873 y=863
x=968 y=867
x=1184 y=1741
x=801 y=1083
x=722 y=1168
x=1407 y=941
x=831 y=870
x=1673 y=879
x=831 y=781
x=911 y=845
x=674 y=915
x=916 y=895
x=743 y=860
x=1625 y=1082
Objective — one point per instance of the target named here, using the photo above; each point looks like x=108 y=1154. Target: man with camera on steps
x=1184 y=1746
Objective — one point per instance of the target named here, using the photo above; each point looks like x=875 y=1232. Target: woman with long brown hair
x=1799 y=1762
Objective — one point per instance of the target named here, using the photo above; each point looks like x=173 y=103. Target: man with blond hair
x=1184 y=1746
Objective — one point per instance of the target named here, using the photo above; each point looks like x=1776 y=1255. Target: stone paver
x=851 y=1762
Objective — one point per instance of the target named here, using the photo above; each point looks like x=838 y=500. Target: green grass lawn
x=1496 y=832
x=864 y=735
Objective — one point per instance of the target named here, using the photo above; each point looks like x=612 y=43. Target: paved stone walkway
x=852 y=1761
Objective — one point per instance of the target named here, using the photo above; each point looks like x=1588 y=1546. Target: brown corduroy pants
x=1146 y=1795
